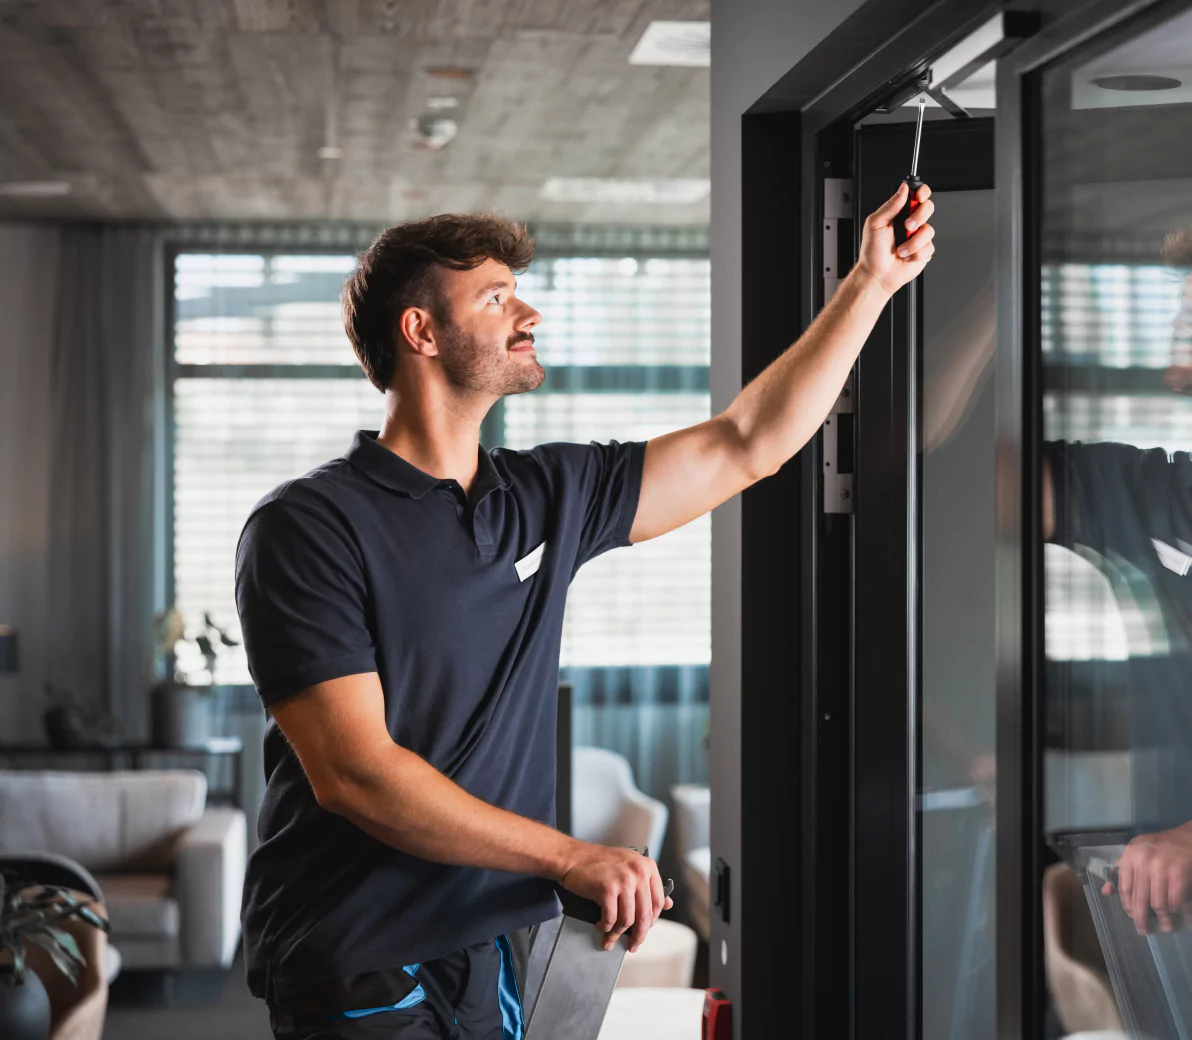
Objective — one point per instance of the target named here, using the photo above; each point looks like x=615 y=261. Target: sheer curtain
x=105 y=369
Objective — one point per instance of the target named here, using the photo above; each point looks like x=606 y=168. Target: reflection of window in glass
x=1117 y=315
x=296 y=395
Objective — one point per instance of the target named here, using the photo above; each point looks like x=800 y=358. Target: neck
x=436 y=432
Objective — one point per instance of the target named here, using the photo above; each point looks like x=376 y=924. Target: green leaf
x=68 y=943
x=61 y=961
x=93 y=919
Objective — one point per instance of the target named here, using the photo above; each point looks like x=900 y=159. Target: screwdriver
x=914 y=181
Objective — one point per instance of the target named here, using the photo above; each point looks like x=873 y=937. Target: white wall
x=28 y=290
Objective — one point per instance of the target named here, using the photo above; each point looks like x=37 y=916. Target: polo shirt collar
x=392 y=471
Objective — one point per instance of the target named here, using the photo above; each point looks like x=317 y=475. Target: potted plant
x=181 y=707
x=32 y=913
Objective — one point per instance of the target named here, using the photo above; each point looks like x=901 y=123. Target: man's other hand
x=1155 y=873
x=887 y=262
x=625 y=884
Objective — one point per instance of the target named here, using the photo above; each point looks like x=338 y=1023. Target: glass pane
x=624 y=311
x=650 y=604
x=258 y=309
x=234 y=440
x=958 y=669
x=1117 y=425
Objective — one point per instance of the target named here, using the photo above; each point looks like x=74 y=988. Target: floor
x=203 y=1005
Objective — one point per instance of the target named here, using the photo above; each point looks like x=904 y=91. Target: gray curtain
x=106 y=379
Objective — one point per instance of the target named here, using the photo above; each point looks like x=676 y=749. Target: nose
x=529 y=319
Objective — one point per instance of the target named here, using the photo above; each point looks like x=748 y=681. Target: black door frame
x=796 y=632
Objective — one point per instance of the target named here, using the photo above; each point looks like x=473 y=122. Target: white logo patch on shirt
x=1172 y=559
x=530 y=563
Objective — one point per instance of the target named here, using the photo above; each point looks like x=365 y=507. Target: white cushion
x=105 y=821
x=665 y=958
x=697 y=874
x=693 y=806
x=140 y=904
x=654 y=1014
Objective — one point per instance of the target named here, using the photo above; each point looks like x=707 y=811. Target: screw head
x=844 y=495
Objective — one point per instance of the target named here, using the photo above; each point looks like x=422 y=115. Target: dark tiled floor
x=188 y=1006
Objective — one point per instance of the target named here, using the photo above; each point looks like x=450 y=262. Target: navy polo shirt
x=1133 y=508
x=456 y=601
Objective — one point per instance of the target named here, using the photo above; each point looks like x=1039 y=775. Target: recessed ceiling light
x=35 y=189
x=442 y=102
x=330 y=151
x=674 y=191
x=674 y=43
x=1137 y=82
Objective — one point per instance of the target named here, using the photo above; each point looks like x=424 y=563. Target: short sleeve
x=301 y=596
x=1119 y=498
x=605 y=480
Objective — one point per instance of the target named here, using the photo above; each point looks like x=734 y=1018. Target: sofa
x=170 y=868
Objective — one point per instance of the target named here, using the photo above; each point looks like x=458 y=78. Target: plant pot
x=181 y=716
x=24 y=1008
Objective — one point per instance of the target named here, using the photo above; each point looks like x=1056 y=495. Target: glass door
x=1114 y=142
x=924 y=673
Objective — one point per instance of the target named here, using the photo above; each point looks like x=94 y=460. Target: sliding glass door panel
x=957 y=731
x=1116 y=339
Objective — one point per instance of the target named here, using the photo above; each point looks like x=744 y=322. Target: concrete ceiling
x=217 y=109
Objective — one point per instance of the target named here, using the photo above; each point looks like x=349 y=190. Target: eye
x=495 y=298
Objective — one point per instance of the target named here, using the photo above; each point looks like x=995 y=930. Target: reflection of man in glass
x=1133 y=507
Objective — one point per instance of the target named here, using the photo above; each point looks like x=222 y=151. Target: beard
x=472 y=364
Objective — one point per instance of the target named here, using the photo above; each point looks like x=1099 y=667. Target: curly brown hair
x=401 y=269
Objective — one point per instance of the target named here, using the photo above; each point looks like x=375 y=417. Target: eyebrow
x=500 y=283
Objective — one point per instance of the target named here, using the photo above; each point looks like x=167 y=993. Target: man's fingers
x=1177 y=890
x=921 y=215
x=888 y=210
x=1140 y=902
x=645 y=916
x=608 y=916
x=657 y=895
x=919 y=240
x=626 y=899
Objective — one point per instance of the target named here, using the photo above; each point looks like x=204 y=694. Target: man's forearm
x=782 y=408
x=405 y=802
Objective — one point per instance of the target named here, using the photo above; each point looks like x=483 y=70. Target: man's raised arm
x=692 y=471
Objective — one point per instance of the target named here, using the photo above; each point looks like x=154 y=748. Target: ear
x=415 y=326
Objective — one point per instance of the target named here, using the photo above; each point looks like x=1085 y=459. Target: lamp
x=9 y=662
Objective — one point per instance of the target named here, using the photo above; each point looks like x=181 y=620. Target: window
x=265 y=387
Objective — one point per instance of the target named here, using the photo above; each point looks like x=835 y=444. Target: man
x=402 y=611
x=1133 y=508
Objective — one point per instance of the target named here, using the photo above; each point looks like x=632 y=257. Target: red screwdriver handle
x=914 y=184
